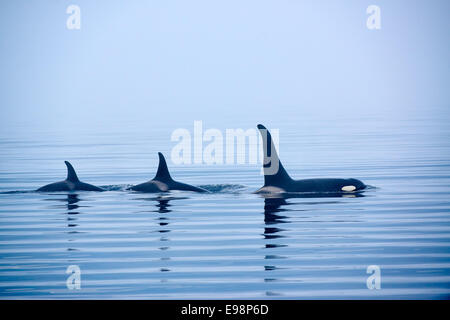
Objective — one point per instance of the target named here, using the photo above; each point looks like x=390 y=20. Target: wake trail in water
x=17 y=191
x=116 y=187
x=224 y=188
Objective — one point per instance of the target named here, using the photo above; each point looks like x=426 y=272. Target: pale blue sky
x=176 y=61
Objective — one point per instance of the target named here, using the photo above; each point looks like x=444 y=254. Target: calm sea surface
x=230 y=243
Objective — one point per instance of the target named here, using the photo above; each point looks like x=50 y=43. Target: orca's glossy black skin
x=277 y=180
x=163 y=182
x=72 y=183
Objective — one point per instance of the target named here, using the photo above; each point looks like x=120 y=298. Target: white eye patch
x=348 y=188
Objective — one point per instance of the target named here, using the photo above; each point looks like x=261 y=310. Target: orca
x=163 y=182
x=277 y=180
x=72 y=183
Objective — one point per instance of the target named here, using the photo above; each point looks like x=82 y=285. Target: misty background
x=159 y=61
x=140 y=67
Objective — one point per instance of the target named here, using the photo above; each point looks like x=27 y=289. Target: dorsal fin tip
x=163 y=171
x=273 y=176
x=71 y=174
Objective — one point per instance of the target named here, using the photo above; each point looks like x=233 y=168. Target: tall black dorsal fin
x=71 y=174
x=274 y=172
x=163 y=172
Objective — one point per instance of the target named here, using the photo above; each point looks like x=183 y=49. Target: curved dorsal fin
x=274 y=172
x=163 y=172
x=71 y=174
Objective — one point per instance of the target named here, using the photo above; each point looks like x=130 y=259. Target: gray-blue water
x=230 y=243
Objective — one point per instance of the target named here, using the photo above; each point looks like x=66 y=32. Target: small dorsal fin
x=163 y=172
x=71 y=174
x=274 y=172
